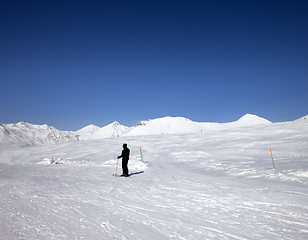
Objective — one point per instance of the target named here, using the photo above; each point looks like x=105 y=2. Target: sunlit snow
x=213 y=182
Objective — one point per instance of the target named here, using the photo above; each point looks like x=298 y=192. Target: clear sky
x=73 y=63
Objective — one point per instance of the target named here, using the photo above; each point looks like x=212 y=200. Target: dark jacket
x=125 y=154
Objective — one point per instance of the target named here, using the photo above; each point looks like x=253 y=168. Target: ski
x=116 y=175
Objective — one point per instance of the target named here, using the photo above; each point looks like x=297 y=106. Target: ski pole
x=117 y=167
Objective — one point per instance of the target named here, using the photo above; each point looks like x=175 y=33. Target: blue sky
x=73 y=63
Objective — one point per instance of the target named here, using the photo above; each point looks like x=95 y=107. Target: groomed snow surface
x=215 y=184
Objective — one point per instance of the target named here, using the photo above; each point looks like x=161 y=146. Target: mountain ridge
x=24 y=133
x=29 y=134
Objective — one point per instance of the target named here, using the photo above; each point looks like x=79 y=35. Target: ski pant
x=124 y=166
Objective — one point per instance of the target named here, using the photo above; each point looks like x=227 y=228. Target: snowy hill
x=213 y=186
x=165 y=125
x=28 y=134
x=302 y=119
x=90 y=129
x=180 y=125
x=249 y=120
x=114 y=129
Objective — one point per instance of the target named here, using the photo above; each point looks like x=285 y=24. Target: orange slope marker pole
x=272 y=158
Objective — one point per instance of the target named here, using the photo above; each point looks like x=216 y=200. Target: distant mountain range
x=28 y=134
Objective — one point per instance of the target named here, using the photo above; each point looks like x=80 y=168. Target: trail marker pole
x=272 y=158
x=141 y=154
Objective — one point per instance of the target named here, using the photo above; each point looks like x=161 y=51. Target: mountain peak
x=29 y=133
x=115 y=124
x=88 y=129
x=251 y=119
x=303 y=119
x=24 y=133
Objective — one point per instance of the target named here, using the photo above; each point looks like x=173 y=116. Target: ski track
x=215 y=185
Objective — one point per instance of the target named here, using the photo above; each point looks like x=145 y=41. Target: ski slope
x=217 y=184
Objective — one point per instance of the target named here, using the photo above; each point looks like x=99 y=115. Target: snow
x=23 y=133
x=181 y=125
x=250 y=119
x=114 y=129
x=303 y=119
x=165 y=125
x=90 y=129
x=215 y=184
x=28 y=134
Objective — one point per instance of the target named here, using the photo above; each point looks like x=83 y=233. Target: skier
x=125 y=158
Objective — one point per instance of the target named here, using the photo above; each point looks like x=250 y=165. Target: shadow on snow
x=135 y=173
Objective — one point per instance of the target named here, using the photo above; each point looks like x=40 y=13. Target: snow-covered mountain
x=179 y=125
x=90 y=129
x=114 y=129
x=28 y=134
x=250 y=119
x=216 y=185
x=302 y=119
x=164 y=125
